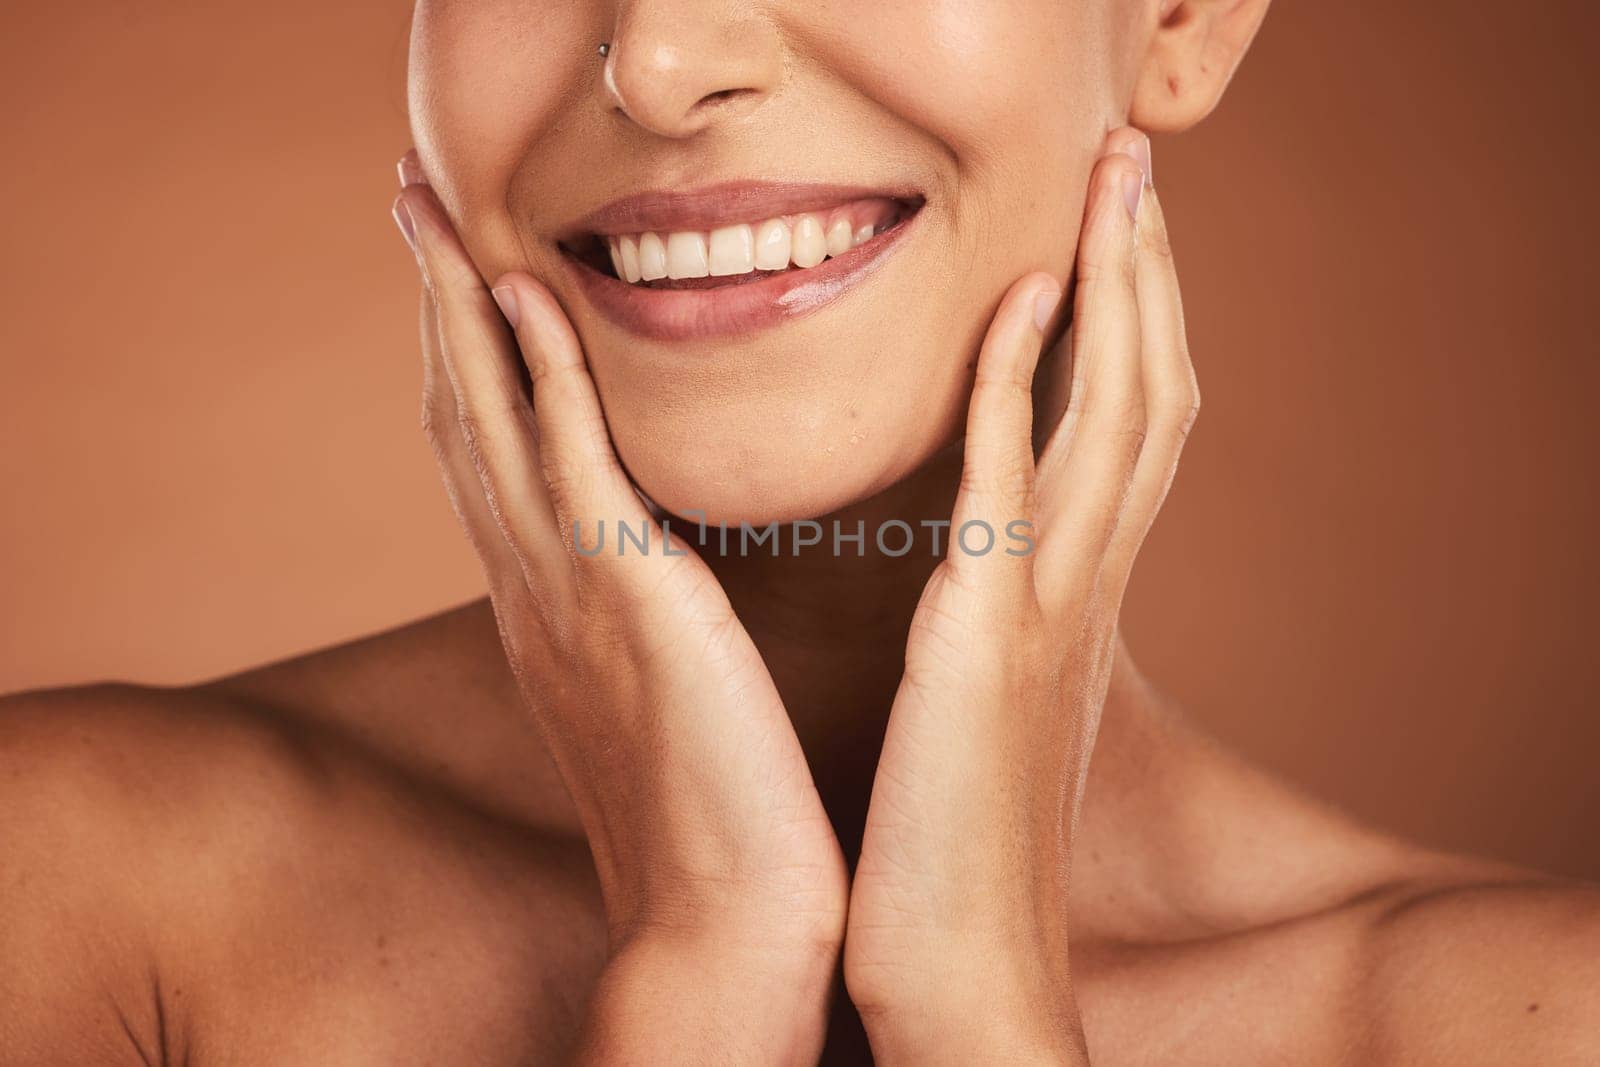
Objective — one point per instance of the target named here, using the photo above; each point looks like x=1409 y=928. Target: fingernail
x=410 y=168
x=506 y=297
x=1132 y=193
x=1045 y=302
x=1140 y=151
x=408 y=225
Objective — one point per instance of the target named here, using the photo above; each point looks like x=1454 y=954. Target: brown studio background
x=1375 y=573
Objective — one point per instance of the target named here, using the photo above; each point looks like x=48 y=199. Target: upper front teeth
x=734 y=250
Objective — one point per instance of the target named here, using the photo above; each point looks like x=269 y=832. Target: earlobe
x=1194 y=48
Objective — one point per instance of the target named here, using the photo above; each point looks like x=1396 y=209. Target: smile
x=731 y=259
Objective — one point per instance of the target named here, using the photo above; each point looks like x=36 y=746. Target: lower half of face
x=779 y=233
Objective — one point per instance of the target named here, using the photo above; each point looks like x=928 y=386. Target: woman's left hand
x=956 y=948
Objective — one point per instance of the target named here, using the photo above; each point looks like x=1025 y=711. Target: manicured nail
x=506 y=297
x=408 y=225
x=410 y=168
x=1045 y=302
x=1132 y=193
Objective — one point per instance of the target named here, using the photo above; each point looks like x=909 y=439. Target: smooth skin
x=367 y=856
x=673 y=809
x=690 y=783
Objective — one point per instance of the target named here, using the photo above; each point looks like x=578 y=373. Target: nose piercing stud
x=604 y=49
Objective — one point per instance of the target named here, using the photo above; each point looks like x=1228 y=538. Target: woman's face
x=962 y=131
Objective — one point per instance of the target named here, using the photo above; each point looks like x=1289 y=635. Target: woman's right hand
x=716 y=861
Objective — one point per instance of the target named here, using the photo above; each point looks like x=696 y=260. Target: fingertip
x=1045 y=300
x=1115 y=196
x=1134 y=143
x=538 y=318
x=1124 y=183
x=505 y=297
x=1025 y=314
x=426 y=228
x=410 y=170
x=403 y=219
x=1032 y=298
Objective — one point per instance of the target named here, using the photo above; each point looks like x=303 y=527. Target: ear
x=1193 y=52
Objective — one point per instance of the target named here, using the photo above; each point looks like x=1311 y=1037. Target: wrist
x=739 y=994
x=978 y=1003
x=984 y=1028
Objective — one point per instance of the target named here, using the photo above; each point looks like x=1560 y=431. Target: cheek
x=1018 y=95
x=487 y=78
x=988 y=78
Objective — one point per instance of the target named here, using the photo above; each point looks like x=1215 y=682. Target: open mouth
x=734 y=258
x=741 y=252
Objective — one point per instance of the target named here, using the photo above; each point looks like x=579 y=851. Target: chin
x=774 y=477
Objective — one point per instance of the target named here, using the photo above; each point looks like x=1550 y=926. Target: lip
x=739 y=307
x=718 y=205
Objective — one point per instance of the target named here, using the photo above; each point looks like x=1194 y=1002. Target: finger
x=580 y=466
x=1172 y=393
x=493 y=414
x=1088 y=465
x=995 y=506
x=442 y=427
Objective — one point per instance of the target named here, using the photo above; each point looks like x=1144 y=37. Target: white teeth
x=733 y=251
x=652 y=258
x=773 y=246
x=687 y=256
x=630 y=259
x=840 y=237
x=810 y=246
x=802 y=241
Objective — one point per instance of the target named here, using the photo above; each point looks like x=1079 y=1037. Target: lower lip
x=739 y=308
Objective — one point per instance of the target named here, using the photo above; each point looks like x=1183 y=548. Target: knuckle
x=568 y=482
x=434 y=425
x=1176 y=412
x=1007 y=477
x=475 y=429
x=1131 y=437
x=486 y=425
x=1190 y=415
x=1131 y=418
x=1158 y=242
x=452 y=277
x=1002 y=389
x=1093 y=273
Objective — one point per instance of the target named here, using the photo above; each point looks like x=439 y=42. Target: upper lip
x=729 y=203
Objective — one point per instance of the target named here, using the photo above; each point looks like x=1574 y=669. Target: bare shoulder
x=115 y=801
x=1272 y=927
x=1490 y=966
x=175 y=860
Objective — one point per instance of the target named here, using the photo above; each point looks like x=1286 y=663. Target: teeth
x=810 y=246
x=802 y=241
x=733 y=251
x=687 y=256
x=841 y=236
x=630 y=259
x=652 y=258
x=773 y=246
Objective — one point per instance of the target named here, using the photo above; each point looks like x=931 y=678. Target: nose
x=677 y=67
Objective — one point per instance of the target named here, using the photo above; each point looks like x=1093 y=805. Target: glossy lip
x=738 y=307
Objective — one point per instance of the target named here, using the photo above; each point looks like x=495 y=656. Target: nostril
x=721 y=100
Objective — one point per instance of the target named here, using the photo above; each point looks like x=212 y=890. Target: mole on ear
x=1190 y=59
